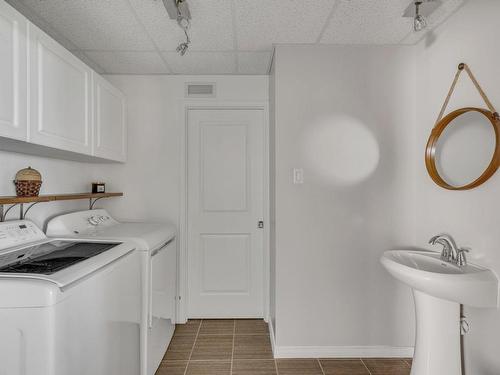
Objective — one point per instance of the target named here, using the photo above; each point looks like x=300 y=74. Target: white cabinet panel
x=60 y=93
x=13 y=73
x=110 y=128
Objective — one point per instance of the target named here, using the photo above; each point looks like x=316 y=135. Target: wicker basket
x=28 y=188
x=28 y=182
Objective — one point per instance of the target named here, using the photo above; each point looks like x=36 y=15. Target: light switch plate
x=298 y=176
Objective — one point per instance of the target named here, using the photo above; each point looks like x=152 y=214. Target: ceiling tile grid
x=133 y=62
x=262 y=23
x=368 y=22
x=201 y=62
x=211 y=29
x=94 y=24
x=228 y=36
x=254 y=62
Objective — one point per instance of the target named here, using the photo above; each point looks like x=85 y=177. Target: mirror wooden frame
x=430 y=151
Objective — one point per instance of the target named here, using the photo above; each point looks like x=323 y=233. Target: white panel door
x=13 y=73
x=225 y=204
x=110 y=128
x=60 y=93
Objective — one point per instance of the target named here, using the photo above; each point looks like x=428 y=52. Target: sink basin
x=470 y=285
x=439 y=288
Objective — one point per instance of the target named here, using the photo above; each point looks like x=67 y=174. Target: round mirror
x=463 y=149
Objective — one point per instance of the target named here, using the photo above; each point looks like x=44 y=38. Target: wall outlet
x=298 y=176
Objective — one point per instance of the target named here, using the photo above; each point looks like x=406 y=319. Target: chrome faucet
x=450 y=253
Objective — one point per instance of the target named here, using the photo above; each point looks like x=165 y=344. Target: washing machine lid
x=98 y=224
x=61 y=261
x=50 y=257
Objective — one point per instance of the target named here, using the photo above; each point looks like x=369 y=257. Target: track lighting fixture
x=179 y=10
x=419 y=22
x=419 y=11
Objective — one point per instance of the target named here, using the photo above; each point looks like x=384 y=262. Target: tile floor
x=242 y=347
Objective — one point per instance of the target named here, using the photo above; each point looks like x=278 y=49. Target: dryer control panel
x=19 y=232
x=81 y=222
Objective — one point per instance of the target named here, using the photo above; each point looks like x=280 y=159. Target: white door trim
x=184 y=106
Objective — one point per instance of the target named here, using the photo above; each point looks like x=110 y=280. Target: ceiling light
x=179 y=10
x=419 y=22
x=182 y=48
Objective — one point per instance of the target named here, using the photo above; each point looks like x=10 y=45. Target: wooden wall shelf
x=13 y=200
x=56 y=197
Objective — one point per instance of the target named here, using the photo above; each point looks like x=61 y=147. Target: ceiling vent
x=200 y=90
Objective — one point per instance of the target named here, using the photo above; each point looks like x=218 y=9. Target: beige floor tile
x=343 y=367
x=253 y=367
x=298 y=367
x=213 y=347
x=252 y=347
x=251 y=327
x=180 y=348
x=208 y=368
x=385 y=366
x=217 y=327
x=172 y=368
x=188 y=329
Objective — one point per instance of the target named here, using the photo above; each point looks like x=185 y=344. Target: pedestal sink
x=439 y=288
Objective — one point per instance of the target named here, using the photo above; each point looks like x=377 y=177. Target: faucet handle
x=461 y=258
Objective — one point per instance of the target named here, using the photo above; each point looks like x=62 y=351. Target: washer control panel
x=19 y=232
x=96 y=220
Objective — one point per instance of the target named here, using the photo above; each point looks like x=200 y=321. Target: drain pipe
x=464 y=329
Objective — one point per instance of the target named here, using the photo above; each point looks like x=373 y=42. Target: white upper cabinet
x=13 y=73
x=49 y=97
x=110 y=128
x=60 y=96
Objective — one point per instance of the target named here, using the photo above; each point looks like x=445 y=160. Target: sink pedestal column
x=437 y=344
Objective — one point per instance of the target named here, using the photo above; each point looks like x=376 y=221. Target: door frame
x=184 y=106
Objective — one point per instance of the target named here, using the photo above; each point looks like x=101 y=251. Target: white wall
x=59 y=176
x=472 y=217
x=151 y=177
x=331 y=290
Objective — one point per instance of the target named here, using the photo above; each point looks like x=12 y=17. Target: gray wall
x=346 y=116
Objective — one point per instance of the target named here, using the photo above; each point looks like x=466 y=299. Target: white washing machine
x=67 y=306
x=156 y=244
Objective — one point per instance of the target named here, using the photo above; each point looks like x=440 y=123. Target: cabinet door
x=60 y=93
x=110 y=129
x=13 y=73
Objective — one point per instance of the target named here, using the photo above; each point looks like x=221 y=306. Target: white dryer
x=156 y=244
x=67 y=306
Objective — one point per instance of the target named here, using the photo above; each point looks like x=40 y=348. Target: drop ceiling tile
x=262 y=23
x=211 y=24
x=82 y=56
x=129 y=62
x=201 y=62
x=435 y=19
x=368 y=22
x=254 y=62
x=42 y=24
x=94 y=24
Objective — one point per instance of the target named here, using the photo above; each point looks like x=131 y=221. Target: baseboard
x=341 y=351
